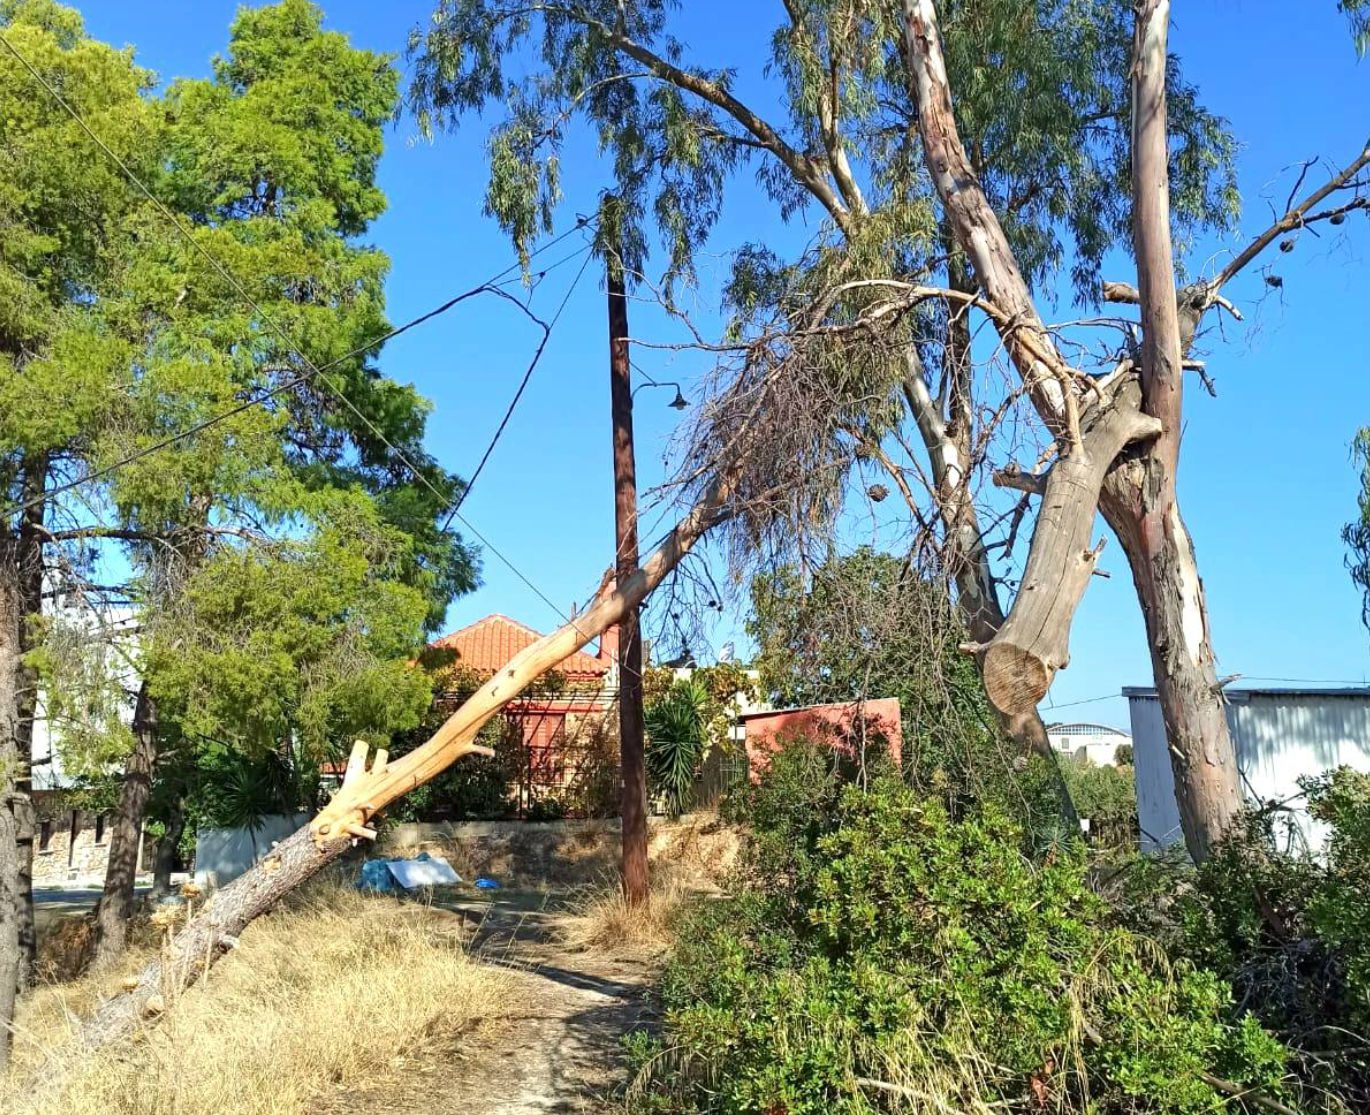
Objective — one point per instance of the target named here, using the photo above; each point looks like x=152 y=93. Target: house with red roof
x=564 y=731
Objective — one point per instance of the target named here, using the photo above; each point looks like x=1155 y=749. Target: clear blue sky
x=1266 y=479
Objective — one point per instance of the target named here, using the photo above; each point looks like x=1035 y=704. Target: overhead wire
x=266 y=394
x=518 y=393
x=312 y=370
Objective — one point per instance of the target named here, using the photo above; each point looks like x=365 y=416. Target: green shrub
x=883 y=952
x=1292 y=935
x=1107 y=796
x=677 y=733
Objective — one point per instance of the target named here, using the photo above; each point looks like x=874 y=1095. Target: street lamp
x=678 y=403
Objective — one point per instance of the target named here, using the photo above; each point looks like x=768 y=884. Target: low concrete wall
x=221 y=855
x=698 y=848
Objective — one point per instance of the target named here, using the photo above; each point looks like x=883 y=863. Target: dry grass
x=602 y=920
x=327 y=992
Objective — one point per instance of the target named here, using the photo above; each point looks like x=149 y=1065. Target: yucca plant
x=676 y=738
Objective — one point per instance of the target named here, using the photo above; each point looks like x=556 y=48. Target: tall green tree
x=272 y=161
x=61 y=206
x=270 y=165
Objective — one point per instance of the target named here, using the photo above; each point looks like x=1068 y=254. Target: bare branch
x=1295 y=218
x=1011 y=476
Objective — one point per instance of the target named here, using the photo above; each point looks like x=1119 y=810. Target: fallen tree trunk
x=366 y=791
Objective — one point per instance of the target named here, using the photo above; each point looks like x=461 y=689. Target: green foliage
x=303 y=640
x=1107 y=796
x=234 y=790
x=866 y=625
x=285 y=566
x=725 y=687
x=58 y=196
x=677 y=739
x=1292 y=933
x=879 y=950
x=1358 y=12
x=1041 y=96
x=85 y=673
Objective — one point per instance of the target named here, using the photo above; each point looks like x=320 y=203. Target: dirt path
x=552 y=1046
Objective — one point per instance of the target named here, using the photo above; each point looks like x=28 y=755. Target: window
x=100 y=829
x=44 y=837
x=544 y=738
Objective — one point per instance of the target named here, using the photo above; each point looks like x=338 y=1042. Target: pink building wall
x=842 y=724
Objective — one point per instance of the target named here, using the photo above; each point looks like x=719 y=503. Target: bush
x=1292 y=935
x=546 y=809
x=1107 y=796
x=476 y=788
x=677 y=733
x=883 y=953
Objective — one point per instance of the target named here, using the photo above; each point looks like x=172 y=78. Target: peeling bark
x=1159 y=548
x=1165 y=573
x=1033 y=643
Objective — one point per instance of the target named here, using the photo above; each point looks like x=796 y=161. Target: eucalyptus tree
x=1045 y=112
x=862 y=348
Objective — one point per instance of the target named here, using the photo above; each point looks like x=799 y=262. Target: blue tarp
x=390 y=876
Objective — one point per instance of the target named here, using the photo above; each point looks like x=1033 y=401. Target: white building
x=1281 y=735
x=1096 y=742
x=105 y=643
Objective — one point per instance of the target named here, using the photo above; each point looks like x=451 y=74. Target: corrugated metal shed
x=1281 y=735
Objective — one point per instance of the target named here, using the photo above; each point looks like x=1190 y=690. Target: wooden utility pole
x=630 y=729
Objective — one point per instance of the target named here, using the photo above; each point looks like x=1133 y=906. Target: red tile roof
x=489 y=643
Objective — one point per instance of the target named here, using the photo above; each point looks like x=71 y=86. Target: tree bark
x=115 y=907
x=11 y=807
x=1137 y=496
x=1142 y=504
x=1166 y=576
x=167 y=851
x=364 y=792
x=632 y=747
x=1033 y=643
x=31 y=607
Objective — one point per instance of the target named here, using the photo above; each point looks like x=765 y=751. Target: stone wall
x=697 y=850
x=72 y=845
